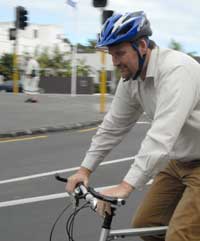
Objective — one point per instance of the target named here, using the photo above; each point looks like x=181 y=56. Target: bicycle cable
x=56 y=221
x=70 y=222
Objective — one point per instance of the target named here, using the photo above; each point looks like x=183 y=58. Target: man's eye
x=120 y=53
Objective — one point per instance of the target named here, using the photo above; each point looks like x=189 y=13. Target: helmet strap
x=141 y=60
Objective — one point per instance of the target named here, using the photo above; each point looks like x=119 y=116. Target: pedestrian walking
x=31 y=80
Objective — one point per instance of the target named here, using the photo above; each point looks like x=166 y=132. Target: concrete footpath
x=52 y=113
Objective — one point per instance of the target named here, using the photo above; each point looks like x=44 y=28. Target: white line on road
x=144 y=122
x=18 y=179
x=39 y=198
x=45 y=197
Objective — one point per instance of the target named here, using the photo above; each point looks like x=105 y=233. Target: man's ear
x=143 y=46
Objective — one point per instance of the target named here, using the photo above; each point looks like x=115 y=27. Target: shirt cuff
x=136 y=178
x=91 y=162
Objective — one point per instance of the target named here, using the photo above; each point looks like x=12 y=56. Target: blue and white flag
x=72 y=3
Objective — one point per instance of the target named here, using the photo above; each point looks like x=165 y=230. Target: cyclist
x=166 y=85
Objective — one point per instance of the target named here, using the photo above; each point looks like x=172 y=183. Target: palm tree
x=177 y=46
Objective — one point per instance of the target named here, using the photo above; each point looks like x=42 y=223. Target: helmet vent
x=125 y=29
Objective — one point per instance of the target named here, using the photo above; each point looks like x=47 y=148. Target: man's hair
x=151 y=43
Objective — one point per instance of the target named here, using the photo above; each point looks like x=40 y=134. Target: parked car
x=7 y=86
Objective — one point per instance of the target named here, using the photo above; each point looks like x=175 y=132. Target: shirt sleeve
x=177 y=94
x=125 y=110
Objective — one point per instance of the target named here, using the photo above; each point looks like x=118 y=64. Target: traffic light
x=106 y=14
x=99 y=3
x=12 y=33
x=21 y=17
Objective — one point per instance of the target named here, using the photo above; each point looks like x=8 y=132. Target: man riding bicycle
x=165 y=84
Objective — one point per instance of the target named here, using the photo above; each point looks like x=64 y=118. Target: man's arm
x=123 y=114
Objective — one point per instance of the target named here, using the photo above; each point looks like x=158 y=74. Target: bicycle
x=90 y=196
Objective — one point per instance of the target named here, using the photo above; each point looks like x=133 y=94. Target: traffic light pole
x=103 y=79
x=104 y=14
x=15 y=65
x=20 y=23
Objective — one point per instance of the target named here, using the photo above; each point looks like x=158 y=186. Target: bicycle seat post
x=106 y=226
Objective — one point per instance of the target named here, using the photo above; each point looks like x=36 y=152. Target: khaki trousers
x=174 y=200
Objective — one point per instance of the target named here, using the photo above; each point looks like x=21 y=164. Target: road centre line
x=86 y=130
x=60 y=171
x=22 y=139
x=45 y=197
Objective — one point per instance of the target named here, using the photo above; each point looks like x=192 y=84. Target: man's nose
x=115 y=61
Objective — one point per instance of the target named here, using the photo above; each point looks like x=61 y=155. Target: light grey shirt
x=170 y=96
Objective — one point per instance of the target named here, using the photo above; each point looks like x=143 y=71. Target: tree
x=6 y=66
x=177 y=46
x=83 y=69
x=88 y=48
x=59 y=64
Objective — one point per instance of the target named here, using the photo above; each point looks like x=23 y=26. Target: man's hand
x=122 y=190
x=82 y=175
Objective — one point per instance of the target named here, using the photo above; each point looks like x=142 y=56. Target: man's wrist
x=84 y=171
x=128 y=187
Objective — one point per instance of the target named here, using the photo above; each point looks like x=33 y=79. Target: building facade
x=35 y=38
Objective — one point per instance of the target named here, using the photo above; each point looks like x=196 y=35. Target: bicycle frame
x=107 y=232
x=132 y=232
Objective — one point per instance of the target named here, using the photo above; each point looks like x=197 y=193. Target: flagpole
x=73 y=3
x=74 y=59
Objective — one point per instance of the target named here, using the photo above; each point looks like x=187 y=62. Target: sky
x=177 y=20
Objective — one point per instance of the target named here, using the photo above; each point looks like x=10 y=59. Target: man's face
x=125 y=58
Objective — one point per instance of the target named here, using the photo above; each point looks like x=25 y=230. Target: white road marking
x=39 y=198
x=18 y=179
x=143 y=123
x=45 y=197
x=57 y=195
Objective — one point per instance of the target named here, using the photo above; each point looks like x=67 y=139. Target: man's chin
x=126 y=76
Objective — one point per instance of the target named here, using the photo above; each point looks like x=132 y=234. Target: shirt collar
x=151 y=69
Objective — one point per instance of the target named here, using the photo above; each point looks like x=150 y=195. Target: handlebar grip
x=61 y=179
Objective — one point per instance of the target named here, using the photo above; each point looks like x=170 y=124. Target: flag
x=72 y=3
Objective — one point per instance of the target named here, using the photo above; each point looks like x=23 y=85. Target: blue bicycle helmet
x=120 y=28
x=126 y=28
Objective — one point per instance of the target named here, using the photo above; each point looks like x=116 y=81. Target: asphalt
x=52 y=113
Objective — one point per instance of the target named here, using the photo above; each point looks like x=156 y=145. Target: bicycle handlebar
x=90 y=195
